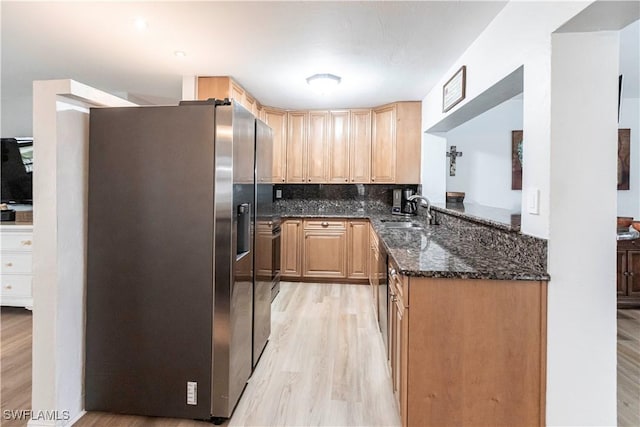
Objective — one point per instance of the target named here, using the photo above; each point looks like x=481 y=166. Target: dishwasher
x=383 y=296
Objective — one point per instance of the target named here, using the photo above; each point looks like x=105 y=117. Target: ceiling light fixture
x=141 y=24
x=323 y=83
x=180 y=53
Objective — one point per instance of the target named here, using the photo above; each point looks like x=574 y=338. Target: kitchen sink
x=402 y=224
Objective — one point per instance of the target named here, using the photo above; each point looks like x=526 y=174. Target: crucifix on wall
x=452 y=154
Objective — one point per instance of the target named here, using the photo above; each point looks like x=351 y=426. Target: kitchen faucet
x=423 y=199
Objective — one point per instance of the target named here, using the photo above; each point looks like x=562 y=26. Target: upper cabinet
x=226 y=87
x=297 y=146
x=359 y=146
x=277 y=120
x=338 y=153
x=396 y=141
x=408 y=142
x=383 y=146
x=317 y=148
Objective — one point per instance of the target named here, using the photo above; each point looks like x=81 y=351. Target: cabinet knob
x=25 y=242
x=325 y=224
x=373 y=179
x=631 y=273
x=352 y=179
x=394 y=298
x=8 y=287
x=9 y=264
x=626 y=273
x=282 y=179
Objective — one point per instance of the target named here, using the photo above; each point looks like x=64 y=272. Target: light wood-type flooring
x=324 y=365
x=629 y=368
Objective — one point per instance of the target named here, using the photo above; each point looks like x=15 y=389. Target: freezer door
x=264 y=240
x=234 y=224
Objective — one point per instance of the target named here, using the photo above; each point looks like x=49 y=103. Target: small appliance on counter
x=7 y=214
x=401 y=204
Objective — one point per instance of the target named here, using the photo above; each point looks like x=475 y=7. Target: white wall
x=59 y=252
x=581 y=320
x=16 y=117
x=629 y=200
x=433 y=170
x=484 y=170
x=519 y=35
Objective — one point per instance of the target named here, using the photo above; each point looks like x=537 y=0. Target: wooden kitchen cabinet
x=461 y=371
x=628 y=273
x=221 y=87
x=291 y=249
x=317 y=147
x=277 y=121
x=325 y=249
x=395 y=147
x=338 y=154
x=357 y=249
x=383 y=145
x=360 y=146
x=297 y=146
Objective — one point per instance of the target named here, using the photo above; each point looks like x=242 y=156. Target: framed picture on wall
x=624 y=155
x=516 y=160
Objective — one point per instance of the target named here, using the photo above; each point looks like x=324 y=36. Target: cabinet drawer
x=325 y=224
x=15 y=285
x=15 y=263
x=17 y=241
x=399 y=285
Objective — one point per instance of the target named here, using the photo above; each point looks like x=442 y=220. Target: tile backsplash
x=352 y=192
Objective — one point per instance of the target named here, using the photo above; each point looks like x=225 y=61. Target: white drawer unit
x=16 y=243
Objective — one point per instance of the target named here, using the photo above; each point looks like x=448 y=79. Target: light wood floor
x=324 y=365
x=15 y=362
x=629 y=368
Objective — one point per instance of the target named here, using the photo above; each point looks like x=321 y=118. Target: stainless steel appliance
x=396 y=207
x=383 y=295
x=267 y=241
x=170 y=295
x=408 y=207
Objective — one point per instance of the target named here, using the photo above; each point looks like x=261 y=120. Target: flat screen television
x=17 y=170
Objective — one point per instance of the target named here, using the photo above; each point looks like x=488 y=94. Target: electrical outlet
x=278 y=194
x=192 y=393
x=533 y=201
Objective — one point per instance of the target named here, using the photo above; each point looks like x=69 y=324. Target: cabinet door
x=291 y=252
x=360 y=147
x=317 y=147
x=213 y=87
x=383 y=149
x=338 y=157
x=633 y=278
x=250 y=104
x=237 y=93
x=621 y=276
x=277 y=121
x=324 y=254
x=402 y=330
x=296 y=146
x=358 y=249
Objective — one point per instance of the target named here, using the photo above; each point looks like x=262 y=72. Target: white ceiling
x=384 y=51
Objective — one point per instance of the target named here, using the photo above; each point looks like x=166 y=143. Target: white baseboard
x=76 y=418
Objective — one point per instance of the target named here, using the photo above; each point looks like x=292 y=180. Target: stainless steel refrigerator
x=170 y=264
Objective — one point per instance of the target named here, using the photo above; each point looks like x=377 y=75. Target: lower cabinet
x=326 y=249
x=628 y=273
x=16 y=278
x=291 y=249
x=458 y=370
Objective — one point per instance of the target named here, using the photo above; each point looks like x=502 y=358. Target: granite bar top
x=504 y=219
x=431 y=251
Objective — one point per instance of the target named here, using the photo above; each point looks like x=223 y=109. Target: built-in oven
x=276 y=235
x=383 y=295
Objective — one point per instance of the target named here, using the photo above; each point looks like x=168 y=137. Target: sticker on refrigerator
x=192 y=393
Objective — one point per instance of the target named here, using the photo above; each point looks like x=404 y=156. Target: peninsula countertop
x=432 y=250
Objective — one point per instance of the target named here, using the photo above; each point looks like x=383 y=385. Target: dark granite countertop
x=432 y=251
x=504 y=219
